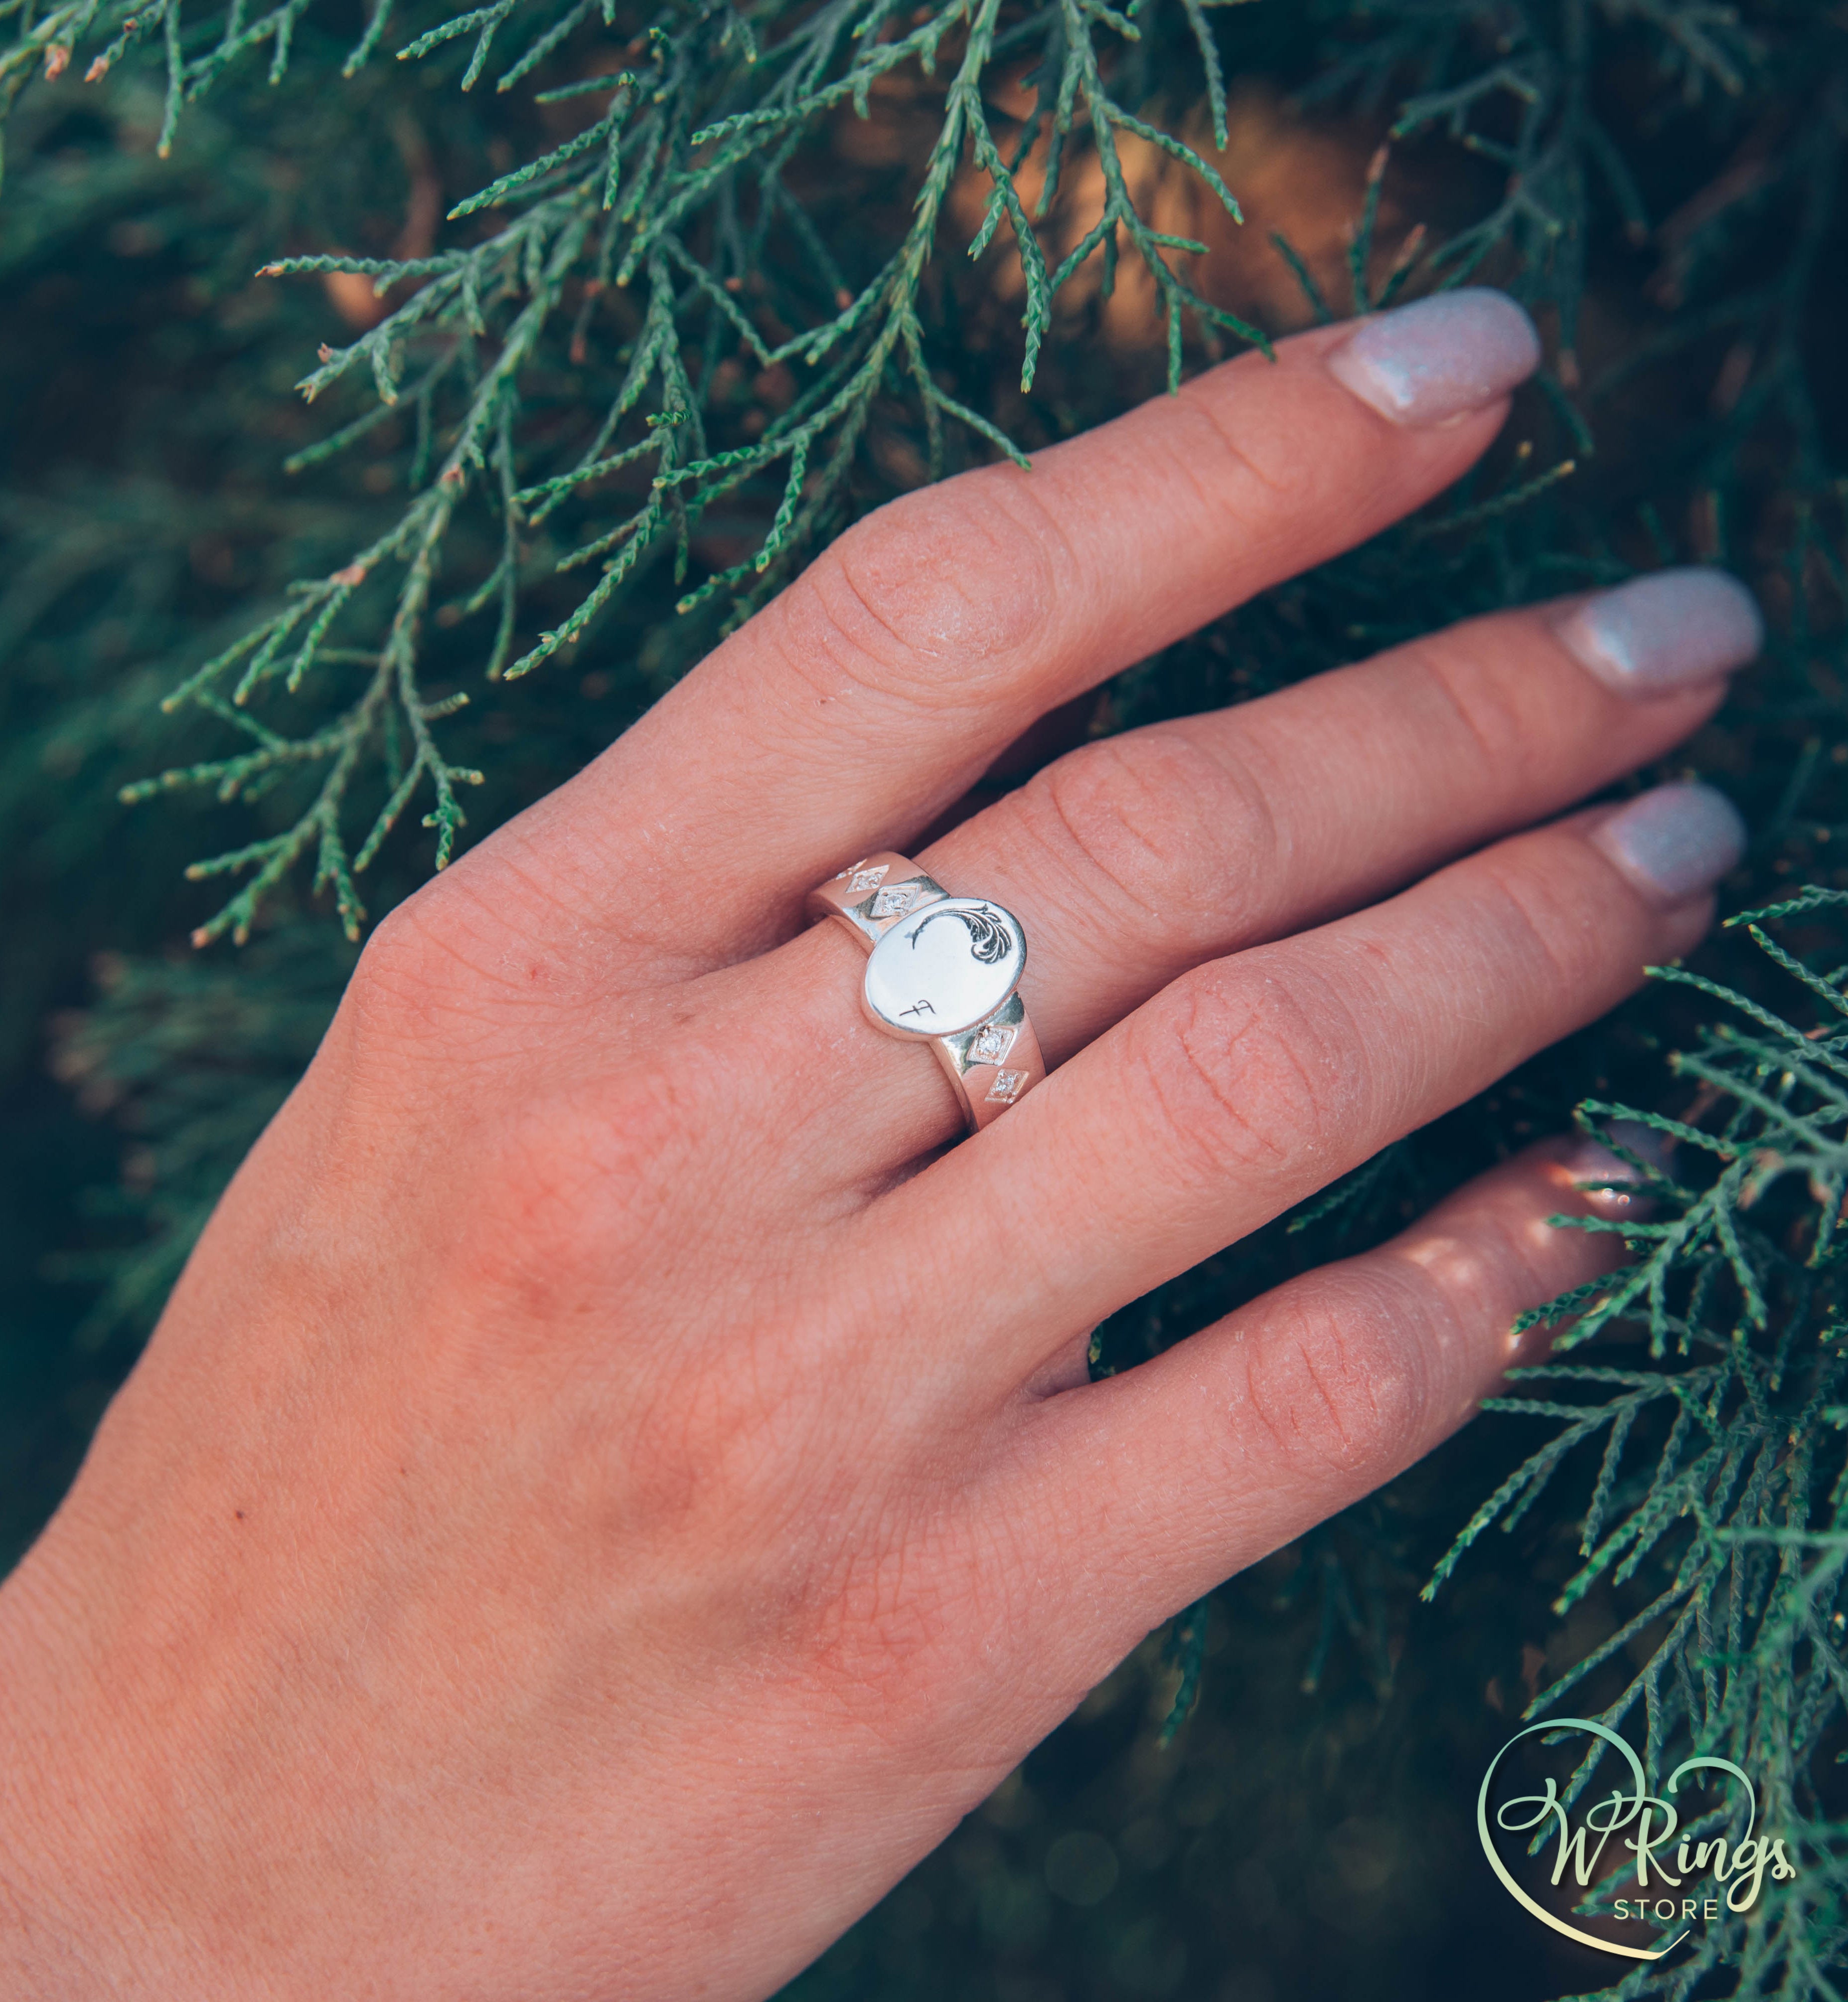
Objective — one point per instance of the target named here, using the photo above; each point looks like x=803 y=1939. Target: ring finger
x=1131 y=861
x=1251 y=1081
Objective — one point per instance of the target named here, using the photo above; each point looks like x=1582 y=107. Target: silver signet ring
x=943 y=970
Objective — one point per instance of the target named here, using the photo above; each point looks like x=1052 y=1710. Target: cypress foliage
x=609 y=349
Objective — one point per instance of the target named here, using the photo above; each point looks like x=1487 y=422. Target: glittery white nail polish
x=1674 y=842
x=1671 y=630
x=1439 y=358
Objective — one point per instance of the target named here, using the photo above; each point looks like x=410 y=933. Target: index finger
x=880 y=685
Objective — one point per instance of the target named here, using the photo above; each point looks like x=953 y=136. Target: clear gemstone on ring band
x=992 y=1044
x=895 y=902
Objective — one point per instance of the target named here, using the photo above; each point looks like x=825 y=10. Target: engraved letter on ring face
x=928 y=978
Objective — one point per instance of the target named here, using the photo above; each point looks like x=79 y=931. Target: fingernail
x=1592 y=1161
x=1671 y=630
x=1439 y=358
x=1674 y=841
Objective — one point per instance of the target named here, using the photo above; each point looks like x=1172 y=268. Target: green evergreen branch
x=1736 y=1510
x=681 y=180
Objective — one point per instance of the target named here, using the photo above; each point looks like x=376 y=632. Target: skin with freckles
x=614 y=1483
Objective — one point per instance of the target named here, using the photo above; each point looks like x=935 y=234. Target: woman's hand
x=610 y=1490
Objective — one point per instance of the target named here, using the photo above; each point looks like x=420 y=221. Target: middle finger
x=868 y=697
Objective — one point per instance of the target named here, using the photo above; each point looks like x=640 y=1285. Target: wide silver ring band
x=991 y=1063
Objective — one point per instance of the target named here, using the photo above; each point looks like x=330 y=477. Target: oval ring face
x=945 y=969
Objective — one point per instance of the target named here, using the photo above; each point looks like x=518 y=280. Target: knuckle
x=1338 y=1388
x=880 y=1619
x=707 y=1451
x=1486 y=708
x=1545 y=925
x=917 y=601
x=1247 y=1073
x=575 y=1183
x=1262 y=480
x=391 y=995
x=436 y=949
x=876 y=1583
x=462 y=964
x=1149 y=827
x=894 y=1610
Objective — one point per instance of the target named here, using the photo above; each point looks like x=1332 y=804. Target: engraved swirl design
x=988 y=939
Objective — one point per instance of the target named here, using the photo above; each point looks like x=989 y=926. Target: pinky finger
x=1165 y=1480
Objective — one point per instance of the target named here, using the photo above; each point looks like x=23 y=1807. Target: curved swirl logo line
x=1736 y=1869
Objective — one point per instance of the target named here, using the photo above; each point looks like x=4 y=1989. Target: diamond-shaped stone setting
x=860 y=881
x=895 y=902
x=1007 y=1087
x=990 y=1043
